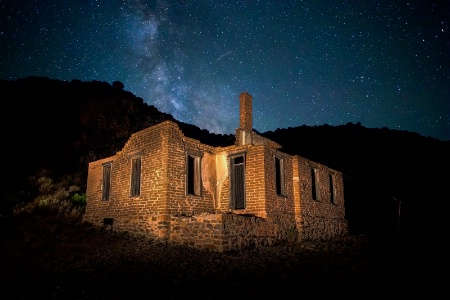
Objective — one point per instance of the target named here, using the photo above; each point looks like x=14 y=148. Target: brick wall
x=259 y=175
x=132 y=213
x=319 y=218
x=255 y=184
x=95 y=212
x=163 y=210
x=177 y=200
x=278 y=204
x=162 y=149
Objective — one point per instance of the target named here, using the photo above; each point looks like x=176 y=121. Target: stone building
x=169 y=187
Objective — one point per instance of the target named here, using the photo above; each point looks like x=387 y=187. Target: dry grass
x=43 y=255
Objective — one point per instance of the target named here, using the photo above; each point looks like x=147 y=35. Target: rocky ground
x=43 y=256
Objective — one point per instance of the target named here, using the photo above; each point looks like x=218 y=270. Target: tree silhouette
x=118 y=85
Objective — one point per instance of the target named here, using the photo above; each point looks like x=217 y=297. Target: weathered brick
x=163 y=210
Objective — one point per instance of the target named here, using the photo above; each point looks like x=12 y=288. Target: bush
x=79 y=199
x=60 y=197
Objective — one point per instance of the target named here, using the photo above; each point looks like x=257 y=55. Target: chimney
x=245 y=111
x=244 y=132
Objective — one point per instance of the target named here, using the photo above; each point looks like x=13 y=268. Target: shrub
x=60 y=197
x=79 y=199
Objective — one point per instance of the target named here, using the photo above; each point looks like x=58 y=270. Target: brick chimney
x=244 y=132
x=245 y=111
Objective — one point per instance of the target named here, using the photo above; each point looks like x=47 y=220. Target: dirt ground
x=46 y=256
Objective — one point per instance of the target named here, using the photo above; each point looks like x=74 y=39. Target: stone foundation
x=225 y=232
x=316 y=228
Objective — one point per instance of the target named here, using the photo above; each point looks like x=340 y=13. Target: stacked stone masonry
x=215 y=198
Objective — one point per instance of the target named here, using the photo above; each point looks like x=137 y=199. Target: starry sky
x=311 y=62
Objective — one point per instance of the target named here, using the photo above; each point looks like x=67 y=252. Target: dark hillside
x=61 y=126
x=381 y=168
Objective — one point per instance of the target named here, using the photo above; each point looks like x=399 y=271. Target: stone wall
x=225 y=232
x=212 y=232
x=241 y=231
x=165 y=211
x=204 y=231
x=320 y=228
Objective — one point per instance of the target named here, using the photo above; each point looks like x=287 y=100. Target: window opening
x=106 y=181
x=280 y=182
x=135 y=176
x=193 y=175
x=332 y=191
x=314 y=184
x=237 y=167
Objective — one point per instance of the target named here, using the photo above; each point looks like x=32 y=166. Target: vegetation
x=47 y=251
x=63 y=197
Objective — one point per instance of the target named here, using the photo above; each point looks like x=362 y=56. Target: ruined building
x=170 y=187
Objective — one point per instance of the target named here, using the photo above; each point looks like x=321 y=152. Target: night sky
x=312 y=62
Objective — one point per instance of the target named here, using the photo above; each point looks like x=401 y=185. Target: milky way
x=381 y=63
